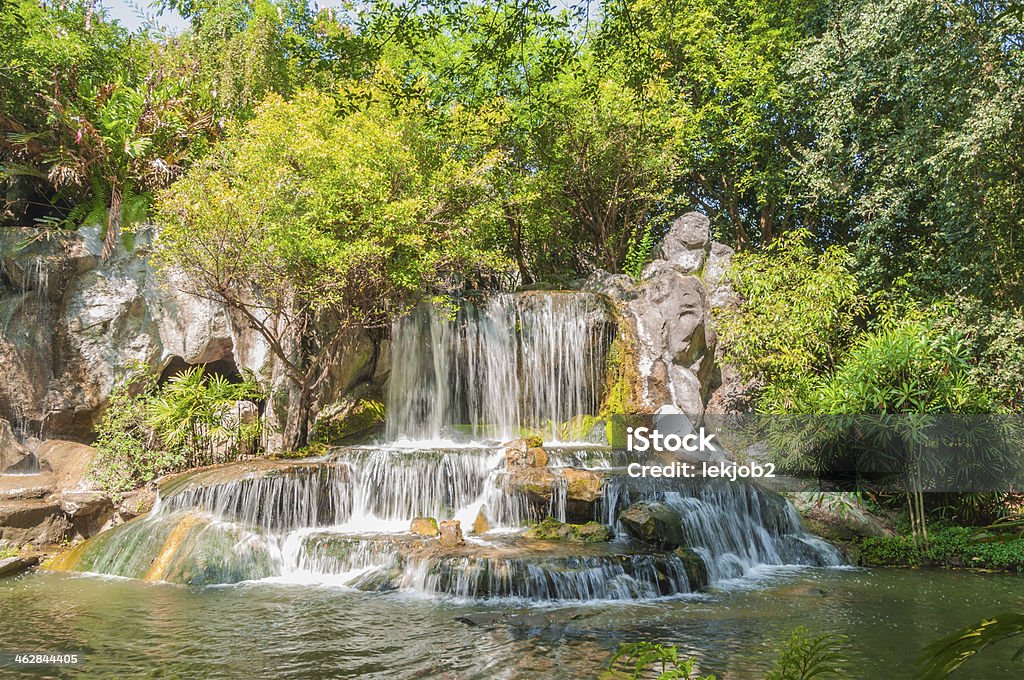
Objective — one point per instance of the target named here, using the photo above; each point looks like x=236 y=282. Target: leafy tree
x=91 y=123
x=798 y=313
x=916 y=152
x=310 y=214
x=726 y=62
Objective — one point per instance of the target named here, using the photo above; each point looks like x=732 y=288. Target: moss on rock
x=550 y=529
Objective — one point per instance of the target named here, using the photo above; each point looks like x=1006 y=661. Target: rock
x=68 y=462
x=15 y=565
x=480 y=524
x=691 y=231
x=675 y=341
x=90 y=511
x=451 y=533
x=839 y=516
x=550 y=529
x=696 y=568
x=618 y=287
x=720 y=292
x=525 y=453
x=39 y=521
x=654 y=523
x=424 y=526
x=353 y=419
x=582 y=485
x=583 y=489
x=136 y=503
x=12 y=453
x=685 y=245
x=84 y=503
x=14 y=487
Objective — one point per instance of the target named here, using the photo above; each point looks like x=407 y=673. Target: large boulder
x=68 y=462
x=582 y=489
x=355 y=418
x=38 y=521
x=675 y=340
x=89 y=511
x=654 y=523
x=686 y=243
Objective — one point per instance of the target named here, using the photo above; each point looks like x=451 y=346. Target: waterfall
x=498 y=368
x=495 y=369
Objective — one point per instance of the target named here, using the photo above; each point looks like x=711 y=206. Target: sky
x=130 y=13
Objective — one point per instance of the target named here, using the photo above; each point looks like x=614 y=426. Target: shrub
x=150 y=430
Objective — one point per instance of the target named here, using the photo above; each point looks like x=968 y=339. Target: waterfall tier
x=498 y=368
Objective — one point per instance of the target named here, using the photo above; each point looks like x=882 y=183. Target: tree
x=726 y=62
x=320 y=214
x=917 y=151
x=799 y=312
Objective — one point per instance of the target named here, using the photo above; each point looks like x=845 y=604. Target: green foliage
x=948 y=547
x=995 y=342
x=906 y=366
x=944 y=656
x=550 y=529
x=662 y=659
x=916 y=142
x=725 y=63
x=126 y=452
x=807 y=656
x=150 y=430
x=8 y=551
x=799 y=310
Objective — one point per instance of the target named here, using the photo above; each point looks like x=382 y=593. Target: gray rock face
x=676 y=340
x=670 y=311
x=74 y=322
x=686 y=243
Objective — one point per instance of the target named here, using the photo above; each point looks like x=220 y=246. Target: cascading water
x=499 y=367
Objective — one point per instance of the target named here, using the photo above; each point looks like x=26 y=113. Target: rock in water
x=15 y=565
x=480 y=524
x=550 y=529
x=424 y=526
x=451 y=533
x=526 y=452
x=654 y=523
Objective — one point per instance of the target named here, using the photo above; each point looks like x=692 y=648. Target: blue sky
x=130 y=14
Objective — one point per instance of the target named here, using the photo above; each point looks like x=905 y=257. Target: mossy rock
x=654 y=523
x=696 y=569
x=351 y=420
x=550 y=529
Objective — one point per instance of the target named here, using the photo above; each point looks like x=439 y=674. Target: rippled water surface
x=127 y=628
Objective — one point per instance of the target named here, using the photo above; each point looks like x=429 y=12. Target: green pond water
x=125 y=628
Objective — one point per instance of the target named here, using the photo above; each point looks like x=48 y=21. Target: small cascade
x=502 y=366
x=733 y=526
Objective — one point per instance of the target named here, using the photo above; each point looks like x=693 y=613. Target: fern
x=805 y=658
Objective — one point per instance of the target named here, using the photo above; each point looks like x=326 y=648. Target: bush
x=799 y=311
x=948 y=547
x=150 y=430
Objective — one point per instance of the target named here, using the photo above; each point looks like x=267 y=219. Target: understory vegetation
x=192 y=419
